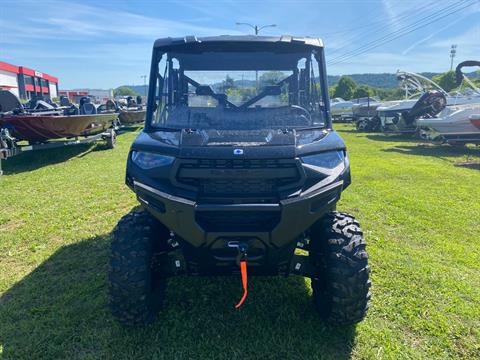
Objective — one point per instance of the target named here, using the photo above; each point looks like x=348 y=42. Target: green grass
x=419 y=206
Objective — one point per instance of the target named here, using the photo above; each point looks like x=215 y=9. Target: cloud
x=80 y=21
x=433 y=34
x=470 y=38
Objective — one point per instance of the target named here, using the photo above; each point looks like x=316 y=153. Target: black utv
x=237 y=167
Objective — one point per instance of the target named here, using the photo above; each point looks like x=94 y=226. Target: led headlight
x=148 y=160
x=328 y=159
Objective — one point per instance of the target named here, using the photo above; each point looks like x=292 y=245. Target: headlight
x=328 y=160
x=148 y=160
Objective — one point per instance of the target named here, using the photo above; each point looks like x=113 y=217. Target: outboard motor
x=86 y=107
x=8 y=101
x=429 y=105
x=139 y=100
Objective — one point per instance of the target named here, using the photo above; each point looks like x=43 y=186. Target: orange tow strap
x=243 y=270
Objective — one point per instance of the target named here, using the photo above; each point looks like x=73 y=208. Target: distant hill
x=138 y=88
x=386 y=80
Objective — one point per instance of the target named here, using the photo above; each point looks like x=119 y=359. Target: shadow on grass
x=437 y=151
x=353 y=131
x=60 y=311
x=33 y=160
x=474 y=165
x=394 y=138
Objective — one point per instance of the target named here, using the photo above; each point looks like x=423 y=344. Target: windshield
x=237 y=91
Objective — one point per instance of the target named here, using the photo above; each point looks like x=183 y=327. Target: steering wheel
x=305 y=112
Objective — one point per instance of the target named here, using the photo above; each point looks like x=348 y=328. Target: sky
x=106 y=43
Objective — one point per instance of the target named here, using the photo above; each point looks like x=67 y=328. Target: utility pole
x=453 y=52
x=144 y=77
x=256 y=29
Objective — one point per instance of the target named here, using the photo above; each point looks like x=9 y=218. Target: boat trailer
x=9 y=146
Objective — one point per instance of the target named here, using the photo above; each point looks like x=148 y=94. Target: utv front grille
x=238 y=178
x=238 y=220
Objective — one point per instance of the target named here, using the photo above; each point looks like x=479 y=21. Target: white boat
x=454 y=125
x=392 y=114
x=341 y=109
x=457 y=123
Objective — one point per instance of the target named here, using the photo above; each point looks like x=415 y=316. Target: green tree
x=345 y=88
x=331 y=91
x=124 y=91
x=363 y=91
x=446 y=80
x=270 y=78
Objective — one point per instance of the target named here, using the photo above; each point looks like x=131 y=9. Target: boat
x=392 y=114
x=363 y=112
x=341 y=109
x=132 y=116
x=456 y=124
x=133 y=113
x=42 y=127
x=45 y=122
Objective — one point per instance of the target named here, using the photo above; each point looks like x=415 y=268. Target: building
x=27 y=83
x=97 y=95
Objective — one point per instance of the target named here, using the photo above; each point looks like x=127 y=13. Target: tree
x=446 y=80
x=124 y=91
x=345 y=88
x=363 y=91
x=331 y=91
x=271 y=78
x=228 y=84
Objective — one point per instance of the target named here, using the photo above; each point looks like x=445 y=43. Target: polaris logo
x=237 y=151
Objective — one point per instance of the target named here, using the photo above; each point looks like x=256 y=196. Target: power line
x=402 y=29
x=374 y=44
x=376 y=28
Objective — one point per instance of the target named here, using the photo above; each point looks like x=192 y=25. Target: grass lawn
x=419 y=206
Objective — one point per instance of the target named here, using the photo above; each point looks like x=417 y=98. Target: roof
x=27 y=71
x=231 y=39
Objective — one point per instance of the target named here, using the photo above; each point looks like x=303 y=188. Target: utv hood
x=281 y=143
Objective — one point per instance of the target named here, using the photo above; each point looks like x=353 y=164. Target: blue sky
x=105 y=44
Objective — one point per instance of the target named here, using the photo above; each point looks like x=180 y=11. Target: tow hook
x=241 y=260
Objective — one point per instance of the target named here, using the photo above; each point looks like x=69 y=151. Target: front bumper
x=269 y=249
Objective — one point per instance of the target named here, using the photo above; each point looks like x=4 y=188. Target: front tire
x=340 y=284
x=136 y=293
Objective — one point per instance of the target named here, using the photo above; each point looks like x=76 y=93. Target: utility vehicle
x=236 y=168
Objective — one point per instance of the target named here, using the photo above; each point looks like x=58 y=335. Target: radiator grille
x=238 y=177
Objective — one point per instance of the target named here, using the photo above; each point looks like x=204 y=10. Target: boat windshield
x=238 y=91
